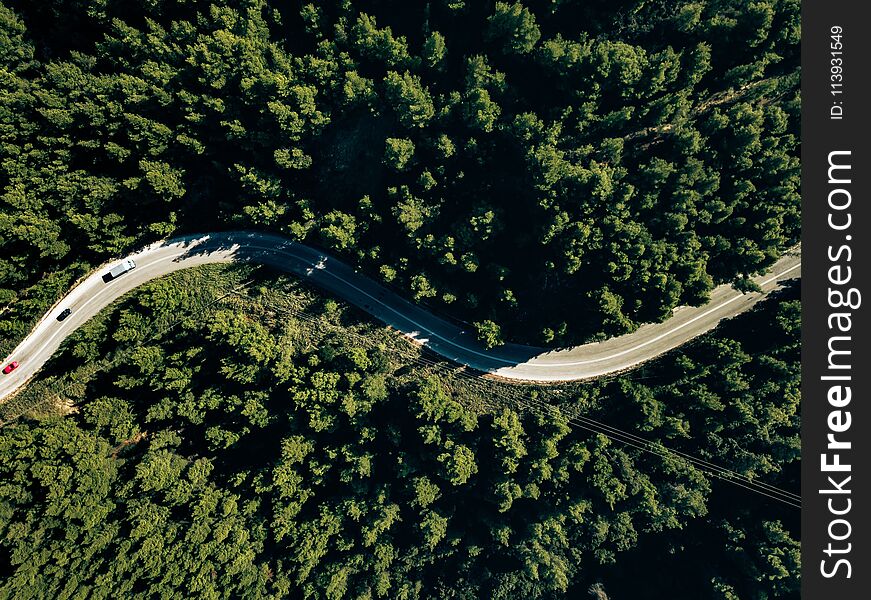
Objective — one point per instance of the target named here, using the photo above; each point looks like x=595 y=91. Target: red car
x=10 y=367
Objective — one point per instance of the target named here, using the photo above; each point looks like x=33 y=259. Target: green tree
x=409 y=98
x=489 y=333
x=514 y=26
x=398 y=153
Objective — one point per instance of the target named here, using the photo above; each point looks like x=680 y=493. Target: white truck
x=118 y=270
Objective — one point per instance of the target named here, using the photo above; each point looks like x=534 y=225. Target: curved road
x=512 y=361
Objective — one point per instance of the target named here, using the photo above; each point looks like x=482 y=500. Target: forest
x=270 y=444
x=553 y=171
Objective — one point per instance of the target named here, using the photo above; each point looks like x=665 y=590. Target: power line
x=636 y=438
x=589 y=424
x=656 y=448
x=531 y=403
x=639 y=443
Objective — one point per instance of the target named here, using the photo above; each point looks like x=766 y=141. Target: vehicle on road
x=64 y=314
x=10 y=367
x=118 y=270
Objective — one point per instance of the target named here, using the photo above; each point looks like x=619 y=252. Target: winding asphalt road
x=511 y=361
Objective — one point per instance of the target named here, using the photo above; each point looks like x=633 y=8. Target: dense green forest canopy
x=268 y=444
x=552 y=169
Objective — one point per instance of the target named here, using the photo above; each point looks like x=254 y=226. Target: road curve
x=511 y=361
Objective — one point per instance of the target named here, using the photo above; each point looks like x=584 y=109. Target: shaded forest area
x=552 y=170
x=271 y=445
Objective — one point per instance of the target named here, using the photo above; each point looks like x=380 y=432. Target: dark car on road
x=10 y=367
x=64 y=314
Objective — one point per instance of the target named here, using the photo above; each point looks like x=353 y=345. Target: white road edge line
x=285 y=249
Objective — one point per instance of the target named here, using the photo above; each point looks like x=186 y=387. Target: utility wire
x=635 y=438
x=588 y=424
x=659 y=449
x=531 y=403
